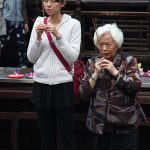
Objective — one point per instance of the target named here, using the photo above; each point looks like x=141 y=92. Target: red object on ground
x=15 y=76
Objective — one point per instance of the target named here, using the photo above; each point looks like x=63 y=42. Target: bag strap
x=56 y=51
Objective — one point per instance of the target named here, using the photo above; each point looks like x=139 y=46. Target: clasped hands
x=40 y=28
x=103 y=63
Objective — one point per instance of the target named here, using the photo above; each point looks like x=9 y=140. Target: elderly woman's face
x=107 y=46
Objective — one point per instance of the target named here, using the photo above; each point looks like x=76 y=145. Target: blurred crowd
x=16 y=21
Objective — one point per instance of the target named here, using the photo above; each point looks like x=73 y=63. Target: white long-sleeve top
x=47 y=67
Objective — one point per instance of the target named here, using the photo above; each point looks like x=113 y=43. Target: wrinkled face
x=52 y=6
x=107 y=46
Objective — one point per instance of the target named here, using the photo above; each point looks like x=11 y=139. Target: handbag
x=117 y=114
x=78 y=69
x=122 y=116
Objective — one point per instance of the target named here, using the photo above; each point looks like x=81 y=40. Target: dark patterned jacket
x=121 y=90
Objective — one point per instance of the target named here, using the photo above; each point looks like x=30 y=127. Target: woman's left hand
x=106 y=64
x=53 y=29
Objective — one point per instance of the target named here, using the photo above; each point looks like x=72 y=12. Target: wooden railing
x=135 y=26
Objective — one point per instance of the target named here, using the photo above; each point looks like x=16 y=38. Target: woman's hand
x=106 y=64
x=99 y=66
x=40 y=28
x=53 y=29
x=95 y=75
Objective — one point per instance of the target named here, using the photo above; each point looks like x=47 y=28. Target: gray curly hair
x=115 y=32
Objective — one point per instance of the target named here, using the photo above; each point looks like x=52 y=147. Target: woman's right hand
x=40 y=28
x=95 y=75
x=99 y=66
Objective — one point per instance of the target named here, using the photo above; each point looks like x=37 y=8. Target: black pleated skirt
x=56 y=96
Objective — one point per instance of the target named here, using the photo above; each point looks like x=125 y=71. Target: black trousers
x=113 y=141
x=56 y=125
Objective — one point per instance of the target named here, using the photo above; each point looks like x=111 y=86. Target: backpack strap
x=56 y=51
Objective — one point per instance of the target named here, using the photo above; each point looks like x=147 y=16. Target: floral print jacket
x=121 y=90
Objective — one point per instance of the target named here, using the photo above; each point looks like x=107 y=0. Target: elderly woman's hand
x=98 y=65
x=106 y=64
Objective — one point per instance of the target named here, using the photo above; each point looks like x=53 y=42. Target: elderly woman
x=110 y=76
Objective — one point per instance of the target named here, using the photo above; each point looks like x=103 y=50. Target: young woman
x=53 y=86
